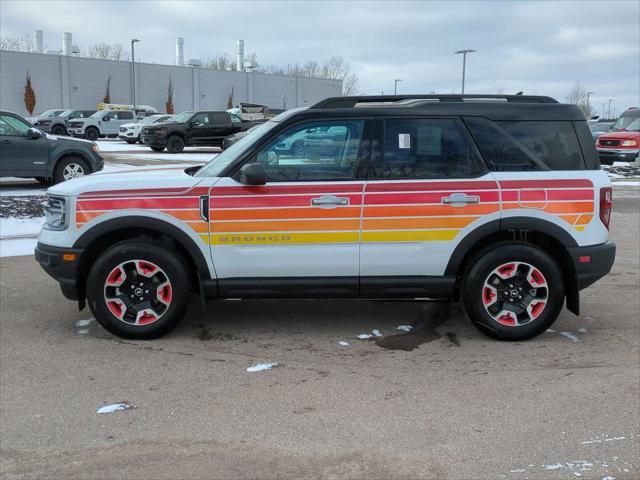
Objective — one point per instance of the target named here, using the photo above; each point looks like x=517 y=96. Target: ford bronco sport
x=497 y=202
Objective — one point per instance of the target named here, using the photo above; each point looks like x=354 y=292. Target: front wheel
x=513 y=291
x=59 y=130
x=91 y=134
x=138 y=289
x=175 y=144
x=70 y=168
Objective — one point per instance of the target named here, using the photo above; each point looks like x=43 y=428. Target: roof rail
x=350 y=102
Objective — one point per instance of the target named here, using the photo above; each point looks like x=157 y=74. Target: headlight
x=44 y=123
x=95 y=148
x=55 y=212
x=629 y=143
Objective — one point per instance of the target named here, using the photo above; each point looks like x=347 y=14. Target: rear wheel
x=69 y=168
x=175 y=144
x=138 y=289
x=58 y=130
x=130 y=141
x=513 y=291
x=92 y=134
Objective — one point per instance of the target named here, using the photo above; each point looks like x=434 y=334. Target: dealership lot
x=439 y=401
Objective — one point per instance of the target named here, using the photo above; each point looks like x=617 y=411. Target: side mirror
x=253 y=174
x=106 y=119
x=34 y=134
x=190 y=124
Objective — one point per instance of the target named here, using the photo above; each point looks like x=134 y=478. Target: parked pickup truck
x=193 y=128
x=57 y=121
x=103 y=123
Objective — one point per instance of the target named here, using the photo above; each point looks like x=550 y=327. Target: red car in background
x=623 y=144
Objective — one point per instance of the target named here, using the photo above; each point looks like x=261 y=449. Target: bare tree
x=29 y=95
x=107 y=91
x=230 y=99
x=17 y=44
x=221 y=62
x=169 y=103
x=105 y=51
x=578 y=96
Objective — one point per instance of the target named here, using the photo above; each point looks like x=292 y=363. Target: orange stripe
x=565 y=207
x=569 y=218
x=200 y=227
x=424 y=210
x=584 y=219
x=284 y=213
x=417 y=223
x=183 y=214
x=86 y=216
x=286 y=226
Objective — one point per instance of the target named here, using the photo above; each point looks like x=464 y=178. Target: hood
x=106 y=183
x=624 y=134
x=164 y=124
x=70 y=141
x=130 y=125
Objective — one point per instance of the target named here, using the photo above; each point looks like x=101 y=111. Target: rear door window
x=425 y=148
x=124 y=115
x=554 y=143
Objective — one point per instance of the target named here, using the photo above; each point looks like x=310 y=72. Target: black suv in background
x=59 y=123
x=193 y=129
x=27 y=152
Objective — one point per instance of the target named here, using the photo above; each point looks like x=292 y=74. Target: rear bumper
x=600 y=260
x=51 y=260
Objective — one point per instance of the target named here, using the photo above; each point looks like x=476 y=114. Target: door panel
x=20 y=155
x=277 y=230
x=426 y=192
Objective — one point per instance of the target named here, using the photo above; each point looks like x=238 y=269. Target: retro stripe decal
x=411 y=211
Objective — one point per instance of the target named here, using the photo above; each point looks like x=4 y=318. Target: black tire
x=483 y=265
x=130 y=141
x=66 y=165
x=175 y=144
x=172 y=266
x=43 y=180
x=139 y=140
x=59 y=130
x=91 y=133
x=157 y=149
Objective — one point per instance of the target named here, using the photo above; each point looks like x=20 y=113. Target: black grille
x=609 y=143
x=75 y=124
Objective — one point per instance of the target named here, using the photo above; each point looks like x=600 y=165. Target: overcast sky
x=531 y=46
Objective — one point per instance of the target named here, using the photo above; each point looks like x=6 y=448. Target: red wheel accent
x=165 y=293
x=508 y=318
x=535 y=309
x=536 y=277
x=116 y=277
x=116 y=307
x=145 y=268
x=145 y=317
x=489 y=295
x=508 y=270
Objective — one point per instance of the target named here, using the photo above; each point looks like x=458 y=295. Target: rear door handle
x=329 y=201
x=460 y=199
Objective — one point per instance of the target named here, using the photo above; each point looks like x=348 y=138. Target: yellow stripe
x=580 y=227
x=409 y=236
x=280 y=238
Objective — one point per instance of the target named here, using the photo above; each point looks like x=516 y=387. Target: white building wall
x=74 y=82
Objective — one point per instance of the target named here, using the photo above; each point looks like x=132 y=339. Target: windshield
x=182 y=117
x=215 y=166
x=50 y=113
x=148 y=120
x=98 y=114
x=626 y=119
x=600 y=127
x=634 y=126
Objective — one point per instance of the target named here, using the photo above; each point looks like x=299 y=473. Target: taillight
x=606 y=203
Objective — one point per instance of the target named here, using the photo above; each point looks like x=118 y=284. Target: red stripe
x=287 y=189
x=271 y=201
x=147 y=192
x=573 y=183
x=428 y=185
x=119 y=204
x=404 y=198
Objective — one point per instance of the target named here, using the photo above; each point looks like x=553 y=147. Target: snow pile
x=260 y=367
x=114 y=407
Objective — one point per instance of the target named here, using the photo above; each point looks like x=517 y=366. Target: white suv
x=497 y=202
x=103 y=123
x=130 y=132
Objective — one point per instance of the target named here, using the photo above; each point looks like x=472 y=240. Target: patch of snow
x=520 y=470
x=582 y=330
x=608 y=477
x=84 y=323
x=364 y=336
x=83 y=331
x=343 y=343
x=555 y=466
x=259 y=367
x=570 y=336
x=404 y=328
x=376 y=332
x=602 y=440
x=17 y=247
x=551 y=331
x=630 y=183
x=577 y=474
x=114 y=407
x=14 y=227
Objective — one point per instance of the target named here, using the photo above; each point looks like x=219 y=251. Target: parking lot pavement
x=441 y=401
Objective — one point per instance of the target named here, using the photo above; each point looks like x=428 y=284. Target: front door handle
x=460 y=199
x=329 y=201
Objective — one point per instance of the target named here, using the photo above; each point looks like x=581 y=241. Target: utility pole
x=395 y=85
x=603 y=110
x=609 y=108
x=464 y=63
x=133 y=73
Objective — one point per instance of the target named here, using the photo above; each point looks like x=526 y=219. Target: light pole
x=464 y=63
x=133 y=73
x=609 y=108
x=588 y=104
x=603 y=110
x=395 y=85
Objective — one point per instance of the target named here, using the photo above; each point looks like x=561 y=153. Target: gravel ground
x=21 y=207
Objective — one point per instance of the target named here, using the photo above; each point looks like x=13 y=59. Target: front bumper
x=608 y=156
x=76 y=132
x=64 y=271
x=600 y=260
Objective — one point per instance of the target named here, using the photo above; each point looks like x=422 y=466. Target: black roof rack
x=394 y=100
